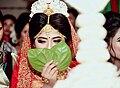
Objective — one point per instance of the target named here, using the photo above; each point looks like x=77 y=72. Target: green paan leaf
x=59 y=53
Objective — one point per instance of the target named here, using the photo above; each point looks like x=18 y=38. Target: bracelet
x=42 y=79
x=62 y=75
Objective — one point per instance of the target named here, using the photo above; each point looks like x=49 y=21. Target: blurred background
x=15 y=7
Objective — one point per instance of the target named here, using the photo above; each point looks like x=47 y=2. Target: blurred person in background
x=73 y=13
x=9 y=30
x=6 y=60
x=21 y=28
x=112 y=26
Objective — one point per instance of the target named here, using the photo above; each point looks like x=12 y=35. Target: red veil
x=23 y=74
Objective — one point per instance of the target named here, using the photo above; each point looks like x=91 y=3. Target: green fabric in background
x=107 y=8
x=119 y=5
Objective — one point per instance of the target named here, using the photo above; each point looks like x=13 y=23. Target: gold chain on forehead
x=48 y=28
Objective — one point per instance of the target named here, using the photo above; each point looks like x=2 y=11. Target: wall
x=14 y=7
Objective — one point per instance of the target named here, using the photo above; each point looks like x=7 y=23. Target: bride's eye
x=41 y=41
x=57 y=41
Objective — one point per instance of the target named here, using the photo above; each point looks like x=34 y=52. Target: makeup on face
x=56 y=39
x=47 y=41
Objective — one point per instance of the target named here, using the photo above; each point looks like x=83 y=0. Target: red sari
x=28 y=76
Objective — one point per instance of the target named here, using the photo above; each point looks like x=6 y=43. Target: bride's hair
x=58 y=21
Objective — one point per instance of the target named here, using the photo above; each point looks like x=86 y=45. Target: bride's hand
x=50 y=72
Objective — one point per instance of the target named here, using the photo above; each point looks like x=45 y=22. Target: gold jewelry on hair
x=56 y=6
x=48 y=11
x=48 y=28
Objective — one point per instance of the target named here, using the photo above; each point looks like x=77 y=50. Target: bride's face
x=48 y=40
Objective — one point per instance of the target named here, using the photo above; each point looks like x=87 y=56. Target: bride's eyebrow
x=42 y=38
x=56 y=37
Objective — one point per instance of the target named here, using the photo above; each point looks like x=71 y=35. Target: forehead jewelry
x=48 y=28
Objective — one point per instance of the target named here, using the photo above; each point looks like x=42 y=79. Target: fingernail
x=51 y=61
x=56 y=63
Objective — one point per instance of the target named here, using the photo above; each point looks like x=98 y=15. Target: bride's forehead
x=50 y=34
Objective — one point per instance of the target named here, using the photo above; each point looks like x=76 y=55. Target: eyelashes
x=43 y=41
x=57 y=41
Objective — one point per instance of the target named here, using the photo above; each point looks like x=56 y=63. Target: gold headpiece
x=49 y=7
x=57 y=6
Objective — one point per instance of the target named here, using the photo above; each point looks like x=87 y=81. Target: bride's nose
x=49 y=44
